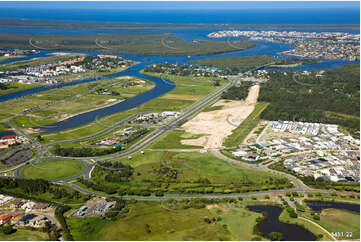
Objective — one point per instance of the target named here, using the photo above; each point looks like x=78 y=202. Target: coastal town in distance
x=180 y=120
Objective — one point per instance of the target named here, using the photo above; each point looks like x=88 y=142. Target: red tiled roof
x=5 y=217
x=9 y=137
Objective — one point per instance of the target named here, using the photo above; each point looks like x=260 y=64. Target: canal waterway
x=161 y=86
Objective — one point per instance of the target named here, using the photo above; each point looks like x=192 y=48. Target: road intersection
x=91 y=162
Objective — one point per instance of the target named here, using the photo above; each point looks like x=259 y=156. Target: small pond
x=291 y=232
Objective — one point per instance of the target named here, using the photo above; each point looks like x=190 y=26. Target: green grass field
x=53 y=169
x=240 y=133
x=338 y=220
x=240 y=223
x=24 y=235
x=285 y=217
x=193 y=169
x=196 y=165
x=172 y=140
x=185 y=224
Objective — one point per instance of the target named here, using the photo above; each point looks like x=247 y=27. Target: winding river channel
x=161 y=86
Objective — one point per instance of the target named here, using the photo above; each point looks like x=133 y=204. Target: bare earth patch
x=222 y=207
x=197 y=142
x=180 y=96
x=124 y=78
x=218 y=124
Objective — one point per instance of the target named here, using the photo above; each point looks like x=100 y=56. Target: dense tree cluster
x=59 y=192
x=35 y=188
x=51 y=230
x=186 y=70
x=59 y=215
x=3 y=86
x=25 y=186
x=116 y=209
x=237 y=92
x=99 y=186
x=7 y=229
x=84 y=152
x=235 y=63
x=291 y=211
x=331 y=98
x=113 y=171
x=275 y=236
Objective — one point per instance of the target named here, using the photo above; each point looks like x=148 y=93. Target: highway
x=185 y=114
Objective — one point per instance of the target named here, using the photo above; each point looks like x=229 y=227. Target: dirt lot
x=222 y=207
x=218 y=124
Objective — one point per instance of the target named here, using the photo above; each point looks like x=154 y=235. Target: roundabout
x=53 y=169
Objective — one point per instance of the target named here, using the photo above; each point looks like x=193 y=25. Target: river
x=161 y=86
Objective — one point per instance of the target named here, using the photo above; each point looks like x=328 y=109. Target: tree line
x=332 y=98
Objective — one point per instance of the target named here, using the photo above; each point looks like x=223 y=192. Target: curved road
x=187 y=113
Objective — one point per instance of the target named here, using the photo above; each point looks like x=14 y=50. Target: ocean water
x=189 y=12
x=176 y=12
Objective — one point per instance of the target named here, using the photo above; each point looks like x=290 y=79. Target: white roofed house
x=38 y=221
x=28 y=205
x=239 y=153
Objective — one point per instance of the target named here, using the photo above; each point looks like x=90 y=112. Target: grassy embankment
x=135 y=43
x=51 y=170
x=16 y=87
